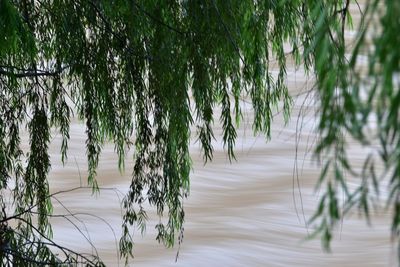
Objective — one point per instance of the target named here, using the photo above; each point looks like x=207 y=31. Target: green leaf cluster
x=145 y=74
x=358 y=105
x=140 y=74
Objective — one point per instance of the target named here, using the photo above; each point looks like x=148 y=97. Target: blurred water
x=248 y=213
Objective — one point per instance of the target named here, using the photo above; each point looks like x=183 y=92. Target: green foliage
x=351 y=101
x=141 y=74
x=134 y=70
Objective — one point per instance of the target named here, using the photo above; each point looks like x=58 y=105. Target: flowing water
x=247 y=213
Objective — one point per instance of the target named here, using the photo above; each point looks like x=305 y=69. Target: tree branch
x=26 y=73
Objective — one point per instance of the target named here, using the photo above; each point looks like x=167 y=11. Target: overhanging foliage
x=141 y=73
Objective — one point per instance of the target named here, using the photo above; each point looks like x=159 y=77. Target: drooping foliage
x=142 y=74
x=139 y=74
x=358 y=94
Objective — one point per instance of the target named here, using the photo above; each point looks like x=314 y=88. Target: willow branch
x=26 y=73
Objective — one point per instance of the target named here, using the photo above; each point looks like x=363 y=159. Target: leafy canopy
x=141 y=74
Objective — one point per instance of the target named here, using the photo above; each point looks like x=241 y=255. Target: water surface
x=247 y=213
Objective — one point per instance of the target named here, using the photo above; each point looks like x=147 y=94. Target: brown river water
x=247 y=213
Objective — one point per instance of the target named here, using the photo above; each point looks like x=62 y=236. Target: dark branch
x=26 y=73
x=152 y=17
